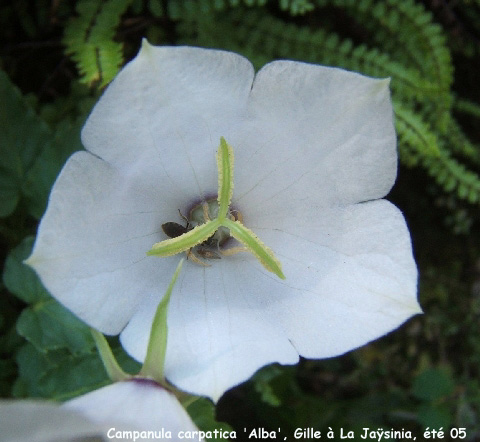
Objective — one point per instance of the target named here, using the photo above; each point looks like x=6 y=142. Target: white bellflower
x=315 y=151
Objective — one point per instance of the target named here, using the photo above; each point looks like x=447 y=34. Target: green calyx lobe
x=153 y=366
x=213 y=218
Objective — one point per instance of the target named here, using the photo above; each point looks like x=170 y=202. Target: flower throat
x=215 y=224
x=213 y=247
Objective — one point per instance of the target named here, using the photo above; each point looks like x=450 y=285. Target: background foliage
x=58 y=56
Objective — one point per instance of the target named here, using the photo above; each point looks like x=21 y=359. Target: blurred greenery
x=56 y=58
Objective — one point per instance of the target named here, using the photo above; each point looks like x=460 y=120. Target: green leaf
x=31 y=155
x=32 y=365
x=22 y=137
x=50 y=326
x=57 y=375
x=51 y=159
x=262 y=382
x=434 y=416
x=61 y=375
x=20 y=279
x=9 y=192
x=433 y=384
x=202 y=412
x=45 y=323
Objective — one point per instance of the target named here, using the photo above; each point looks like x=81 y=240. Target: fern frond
x=467 y=107
x=418 y=144
x=263 y=38
x=460 y=144
x=416 y=139
x=452 y=175
x=296 y=7
x=193 y=10
x=89 y=40
x=188 y=10
x=406 y=31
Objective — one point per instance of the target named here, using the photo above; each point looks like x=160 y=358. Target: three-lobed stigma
x=210 y=224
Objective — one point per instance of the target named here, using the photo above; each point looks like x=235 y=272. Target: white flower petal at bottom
x=137 y=404
x=212 y=322
x=42 y=421
x=114 y=412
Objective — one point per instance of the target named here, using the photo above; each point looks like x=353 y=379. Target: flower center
x=211 y=232
x=212 y=247
x=196 y=217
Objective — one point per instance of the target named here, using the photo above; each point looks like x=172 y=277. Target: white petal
x=351 y=278
x=42 y=421
x=315 y=136
x=137 y=404
x=217 y=335
x=162 y=117
x=91 y=245
x=157 y=128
